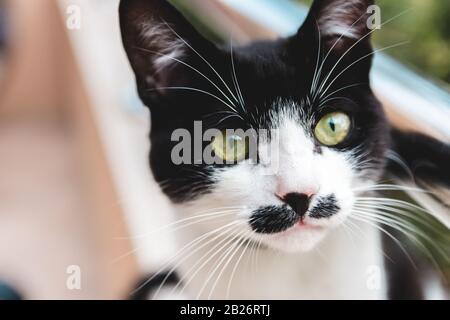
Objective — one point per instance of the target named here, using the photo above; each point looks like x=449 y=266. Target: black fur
x=403 y=275
x=325 y=207
x=282 y=68
x=298 y=202
x=273 y=219
x=427 y=159
x=146 y=286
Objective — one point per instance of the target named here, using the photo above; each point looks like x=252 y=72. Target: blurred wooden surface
x=58 y=205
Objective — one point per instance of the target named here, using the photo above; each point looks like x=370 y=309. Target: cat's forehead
x=282 y=112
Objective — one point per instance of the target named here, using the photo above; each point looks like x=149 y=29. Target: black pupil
x=332 y=125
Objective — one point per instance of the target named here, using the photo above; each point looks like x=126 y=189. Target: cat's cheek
x=346 y=203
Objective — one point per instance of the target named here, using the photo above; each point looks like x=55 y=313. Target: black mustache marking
x=274 y=219
x=325 y=207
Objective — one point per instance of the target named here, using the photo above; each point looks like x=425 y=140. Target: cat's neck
x=346 y=265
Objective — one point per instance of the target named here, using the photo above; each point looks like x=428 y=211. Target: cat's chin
x=297 y=238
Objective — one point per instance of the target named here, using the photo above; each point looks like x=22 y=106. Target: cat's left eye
x=332 y=128
x=231 y=148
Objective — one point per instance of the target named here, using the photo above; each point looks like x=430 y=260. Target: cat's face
x=292 y=203
x=327 y=132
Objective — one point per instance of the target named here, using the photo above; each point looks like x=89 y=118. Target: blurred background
x=426 y=25
x=77 y=200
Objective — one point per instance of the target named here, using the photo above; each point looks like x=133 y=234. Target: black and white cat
x=251 y=233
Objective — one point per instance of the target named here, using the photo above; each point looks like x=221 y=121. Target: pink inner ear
x=167 y=47
x=346 y=18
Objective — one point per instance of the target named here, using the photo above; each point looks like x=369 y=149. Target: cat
x=266 y=228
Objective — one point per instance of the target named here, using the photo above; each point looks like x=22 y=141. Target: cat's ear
x=336 y=37
x=423 y=161
x=162 y=46
x=341 y=23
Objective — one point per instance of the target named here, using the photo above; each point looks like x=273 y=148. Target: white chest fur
x=343 y=266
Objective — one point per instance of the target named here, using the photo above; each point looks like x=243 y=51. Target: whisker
x=394 y=156
x=191 y=253
x=408 y=231
x=363 y=235
x=393 y=201
x=360 y=59
x=382 y=216
x=389 y=212
x=200 y=214
x=230 y=255
x=330 y=50
x=322 y=103
x=235 y=79
x=190 y=245
x=316 y=74
x=190 y=67
x=364 y=219
x=230 y=281
x=205 y=60
x=392 y=209
x=228 y=239
x=390 y=187
x=196 y=90
x=352 y=46
x=338 y=90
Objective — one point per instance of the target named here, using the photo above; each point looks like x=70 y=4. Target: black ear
x=426 y=159
x=162 y=46
x=340 y=23
x=335 y=38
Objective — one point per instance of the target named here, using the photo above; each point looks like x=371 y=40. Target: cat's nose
x=299 y=202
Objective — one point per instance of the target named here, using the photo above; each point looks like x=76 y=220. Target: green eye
x=333 y=128
x=231 y=148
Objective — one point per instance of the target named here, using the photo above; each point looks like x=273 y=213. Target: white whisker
x=215 y=251
x=205 y=60
x=194 y=242
x=352 y=46
x=235 y=79
x=195 y=90
x=190 y=67
x=360 y=59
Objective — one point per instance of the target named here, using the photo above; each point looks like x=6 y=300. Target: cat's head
x=309 y=94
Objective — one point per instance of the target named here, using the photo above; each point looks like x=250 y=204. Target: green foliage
x=426 y=25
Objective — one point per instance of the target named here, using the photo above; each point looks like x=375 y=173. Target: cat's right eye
x=231 y=148
x=332 y=128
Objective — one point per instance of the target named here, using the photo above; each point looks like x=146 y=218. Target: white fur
x=338 y=268
x=320 y=263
